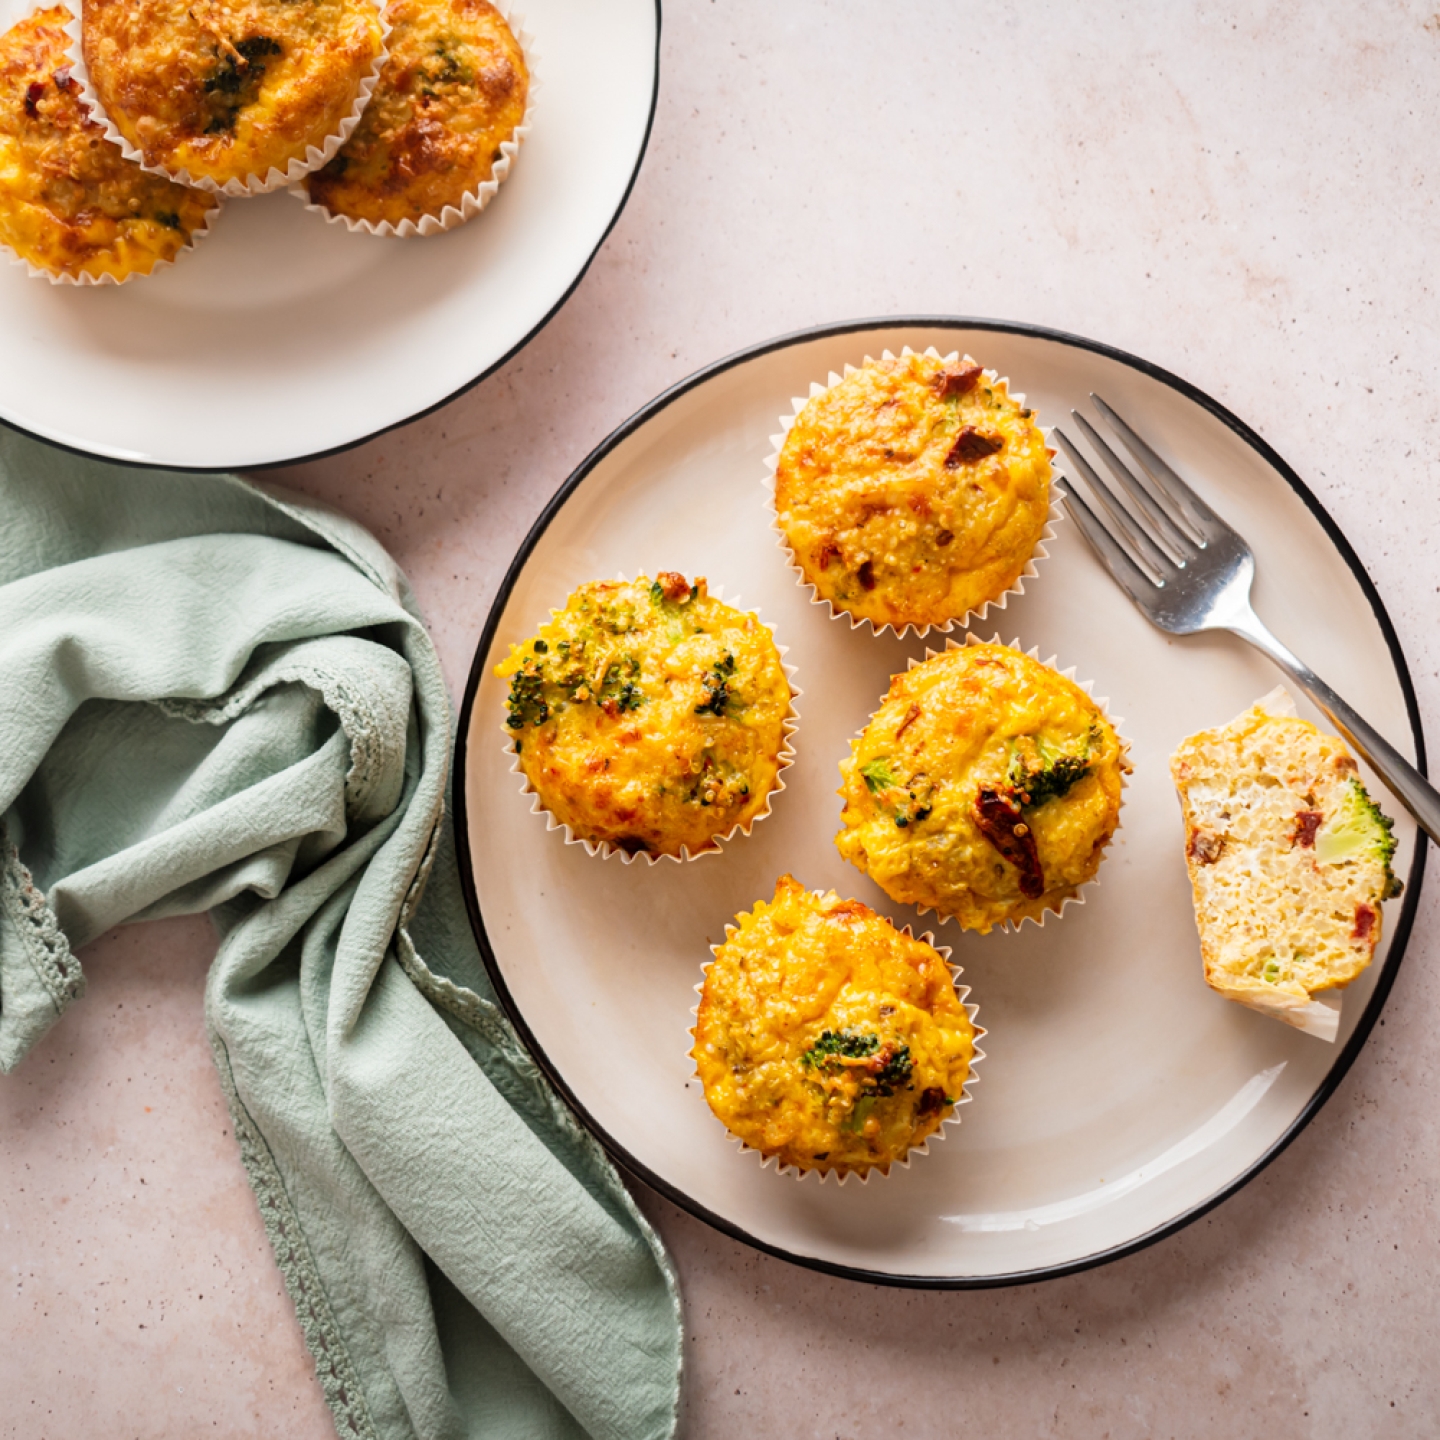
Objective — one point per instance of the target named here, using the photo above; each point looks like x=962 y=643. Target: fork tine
x=1167 y=482
x=1141 y=546
x=1164 y=526
x=1125 y=572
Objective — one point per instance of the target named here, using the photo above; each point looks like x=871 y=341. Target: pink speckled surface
x=1247 y=197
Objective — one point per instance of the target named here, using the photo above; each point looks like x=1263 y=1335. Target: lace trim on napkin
x=487 y=1020
x=333 y=1367
x=45 y=943
x=362 y=726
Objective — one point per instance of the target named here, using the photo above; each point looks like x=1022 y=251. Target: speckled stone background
x=1246 y=195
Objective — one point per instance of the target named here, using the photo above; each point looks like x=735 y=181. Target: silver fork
x=1187 y=571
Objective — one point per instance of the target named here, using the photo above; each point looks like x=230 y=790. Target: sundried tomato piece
x=932 y=1101
x=971 y=445
x=1307 y=822
x=1000 y=821
x=956 y=381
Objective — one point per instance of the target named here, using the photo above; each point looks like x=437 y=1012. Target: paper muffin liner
x=1077 y=897
x=822 y=1174
x=607 y=848
x=1055 y=515
x=473 y=201
x=1319 y=1017
x=196 y=236
x=274 y=178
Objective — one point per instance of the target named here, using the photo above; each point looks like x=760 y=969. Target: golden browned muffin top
x=225 y=89
x=649 y=714
x=452 y=90
x=913 y=491
x=986 y=786
x=70 y=203
x=828 y=1038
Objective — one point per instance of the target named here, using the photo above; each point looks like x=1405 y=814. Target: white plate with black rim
x=282 y=337
x=1120 y=1098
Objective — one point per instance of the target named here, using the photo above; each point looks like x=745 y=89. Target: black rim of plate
x=430 y=409
x=1385 y=978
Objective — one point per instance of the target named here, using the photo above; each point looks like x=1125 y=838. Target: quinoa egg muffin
x=224 y=91
x=1289 y=858
x=986 y=786
x=649 y=716
x=70 y=203
x=913 y=491
x=827 y=1038
x=453 y=89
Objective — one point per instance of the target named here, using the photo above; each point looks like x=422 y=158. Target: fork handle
x=1409 y=786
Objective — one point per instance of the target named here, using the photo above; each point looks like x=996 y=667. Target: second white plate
x=282 y=337
x=1120 y=1097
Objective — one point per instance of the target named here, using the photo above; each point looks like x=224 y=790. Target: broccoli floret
x=717 y=688
x=618 y=685
x=886 y=1069
x=1049 y=774
x=526 y=703
x=918 y=790
x=1357 y=829
x=840 y=1042
x=877 y=775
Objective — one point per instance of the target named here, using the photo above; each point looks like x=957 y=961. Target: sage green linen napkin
x=219 y=697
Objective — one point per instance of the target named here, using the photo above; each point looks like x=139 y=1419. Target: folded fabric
x=216 y=696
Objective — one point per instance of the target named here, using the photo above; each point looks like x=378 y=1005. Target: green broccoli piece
x=618 y=684
x=840 y=1042
x=526 y=703
x=889 y=1068
x=1056 y=774
x=1358 y=829
x=717 y=687
x=878 y=775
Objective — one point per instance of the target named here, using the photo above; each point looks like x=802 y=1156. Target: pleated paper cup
x=837 y=612
x=1076 y=895
x=745 y=1153
x=607 y=849
x=274 y=179
x=473 y=201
